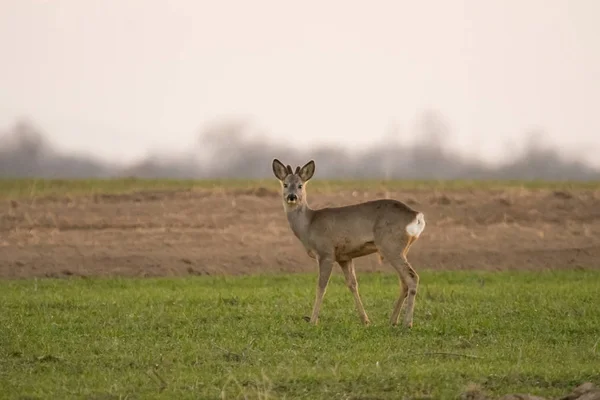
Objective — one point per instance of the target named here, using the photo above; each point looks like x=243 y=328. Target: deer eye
x=300 y=186
x=285 y=185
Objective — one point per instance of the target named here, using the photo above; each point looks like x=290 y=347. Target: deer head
x=293 y=182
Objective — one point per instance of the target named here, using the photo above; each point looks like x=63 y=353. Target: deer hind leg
x=352 y=283
x=399 y=302
x=411 y=240
x=325 y=268
x=395 y=252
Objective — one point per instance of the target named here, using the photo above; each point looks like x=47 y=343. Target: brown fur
x=340 y=234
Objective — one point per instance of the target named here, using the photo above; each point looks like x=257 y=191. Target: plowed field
x=197 y=231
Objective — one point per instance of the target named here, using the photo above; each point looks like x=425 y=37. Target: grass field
x=29 y=188
x=102 y=333
x=244 y=337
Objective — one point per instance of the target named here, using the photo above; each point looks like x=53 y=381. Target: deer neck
x=299 y=218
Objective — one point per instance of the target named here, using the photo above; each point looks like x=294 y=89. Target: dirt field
x=195 y=232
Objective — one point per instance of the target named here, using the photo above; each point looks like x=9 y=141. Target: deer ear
x=307 y=171
x=279 y=170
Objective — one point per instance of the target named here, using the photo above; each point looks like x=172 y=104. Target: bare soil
x=197 y=232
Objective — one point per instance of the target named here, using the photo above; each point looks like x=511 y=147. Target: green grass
x=244 y=337
x=31 y=188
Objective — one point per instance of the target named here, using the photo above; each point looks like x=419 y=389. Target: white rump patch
x=416 y=227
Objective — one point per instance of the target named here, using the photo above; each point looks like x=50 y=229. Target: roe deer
x=340 y=234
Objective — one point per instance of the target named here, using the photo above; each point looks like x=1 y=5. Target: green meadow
x=245 y=338
x=31 y=188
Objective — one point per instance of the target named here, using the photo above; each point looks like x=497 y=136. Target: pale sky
x=121 y=78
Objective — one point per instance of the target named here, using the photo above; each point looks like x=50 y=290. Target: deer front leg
x=351 y=282
x=325 y=267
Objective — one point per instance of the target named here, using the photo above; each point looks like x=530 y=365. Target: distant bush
x=230 y=150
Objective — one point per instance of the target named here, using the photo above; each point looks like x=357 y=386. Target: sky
x=122 y=79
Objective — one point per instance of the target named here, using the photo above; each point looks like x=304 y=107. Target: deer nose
x=292 y=197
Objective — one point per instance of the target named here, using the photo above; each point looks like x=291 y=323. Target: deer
x=340 y=234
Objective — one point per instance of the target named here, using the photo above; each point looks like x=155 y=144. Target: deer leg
x=412 y=290
x=403 y=287
x=351 y=282
x=411 y=240
x=411 y=280
x=412 y=293
x=325 y=268
x=399 y=302
x=395 y=254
